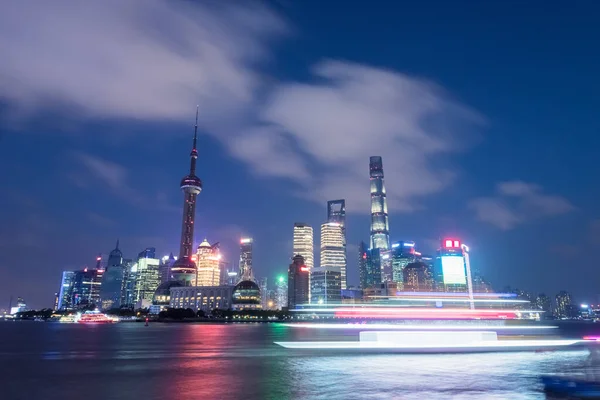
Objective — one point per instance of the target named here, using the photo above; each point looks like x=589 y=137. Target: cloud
x=112 y=174
x=517 y=202
x=145 y=59
x=156 y=59
x=320 y=135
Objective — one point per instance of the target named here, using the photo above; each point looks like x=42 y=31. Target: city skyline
x=482 y=142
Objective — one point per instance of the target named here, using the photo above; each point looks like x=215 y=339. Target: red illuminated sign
x=304 y=268
x=451 y=243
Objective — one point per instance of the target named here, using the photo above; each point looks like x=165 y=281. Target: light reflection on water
x=240 y=361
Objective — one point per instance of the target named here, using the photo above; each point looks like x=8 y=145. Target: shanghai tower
x=184 y=269
x=380 y=230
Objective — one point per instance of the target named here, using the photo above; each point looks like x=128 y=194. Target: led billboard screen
x=453 y=269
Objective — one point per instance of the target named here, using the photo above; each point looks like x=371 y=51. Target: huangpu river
x=188 y=361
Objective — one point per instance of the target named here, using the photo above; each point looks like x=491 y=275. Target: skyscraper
x=297 y=282
x=184 y=268
x=362 y=264
x=147 y=278
x=208 y=259
x=303 y=243
x=65 y=295
x=336 y=213
x=417 y=277
x=166 y=263
x=112 y=281
x=245 y=255
x=86 y=287
x=281 y=292
x=380 y=231
x=373 y=268
x=403 y=253
x=563 y=301
x=333 y=250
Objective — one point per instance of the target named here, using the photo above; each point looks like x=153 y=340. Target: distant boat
x=571 y=387
x=95 y=317
x=68 y=319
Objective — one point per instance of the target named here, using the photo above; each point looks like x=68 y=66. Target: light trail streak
x=437 y=327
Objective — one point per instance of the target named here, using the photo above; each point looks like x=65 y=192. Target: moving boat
x=68 y=319
x=95 y=317
x=581 y=384
x=571 y=387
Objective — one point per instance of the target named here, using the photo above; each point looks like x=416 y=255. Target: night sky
x=485 y=114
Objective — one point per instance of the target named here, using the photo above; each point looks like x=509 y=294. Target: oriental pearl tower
x=184 y=269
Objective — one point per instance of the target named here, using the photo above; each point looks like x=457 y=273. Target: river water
x=239 y=361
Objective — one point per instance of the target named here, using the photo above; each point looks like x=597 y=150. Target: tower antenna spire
x=196 y=128
x=194 y=153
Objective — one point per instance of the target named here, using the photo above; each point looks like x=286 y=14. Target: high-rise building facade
x=184 y=268
x=402 y=254
x=166 y=263
x=362 y=264
x=86 y=287
x=208 y=259
x=304 y=243
x=325 y=286
x=245 y=255
x=147 y=279
x=417 y=277
x=563 y=301
x=543 y=303
x=451 y=272
x=65 y=295
x=111 y=289
x=336 y=213
x=298 y=281
x=372 y=268
x=333 y=250
x=281 y=292
x=380 y=230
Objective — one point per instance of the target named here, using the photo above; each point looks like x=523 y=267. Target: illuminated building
x=246 y=296
x=232 y=278
x=184 y=268
x=563 y=300
x=298 y=277
x=86 y=287
x=245 y=255
x=333 y=250
x=417 y=277
x=147 y=278
x=129 y=278
x=372 y=274
x=402 y=254
x=325 y=286
x=208 y=259
x=303 y=243
x=281 y=292
x=362 y=264
x=336 y=213
x=264 y=293
x=543 y=302
x=166 y=263
x=162 y=296
x=21 y=306
x=205 y=298
x=111 y=288
x=380 y=230
x=451 y=273
x=65 y=294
